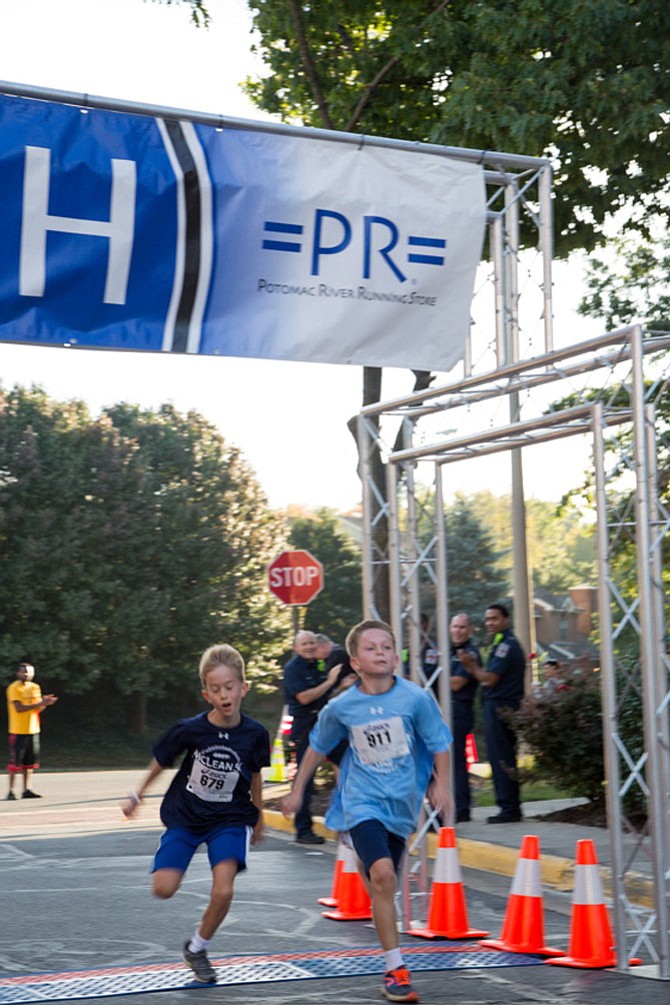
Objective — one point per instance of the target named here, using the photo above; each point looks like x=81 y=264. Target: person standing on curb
x=398 y=750
x=463 y=690
x=503 y=682
x=306 y=688
x=25 y=702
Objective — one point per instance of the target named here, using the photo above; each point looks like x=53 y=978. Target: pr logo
x=375 y=237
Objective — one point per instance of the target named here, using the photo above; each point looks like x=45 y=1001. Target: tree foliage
x=130 y=543
x=561 y=549
x=630 y=284
x=560 y=543
x=200 y=15
x=582 y=81
x=475 y=577
x=339 y=605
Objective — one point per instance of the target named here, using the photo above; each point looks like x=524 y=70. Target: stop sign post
x=295 y=577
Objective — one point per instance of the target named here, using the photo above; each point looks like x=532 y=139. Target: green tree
x=475 y=577
x=129 y=544
x=581 y=81
x=339 y=605
x=561 y=544
x=630 y=283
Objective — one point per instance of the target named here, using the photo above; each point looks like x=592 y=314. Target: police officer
x=463 y=687
x=306 y=688
x=503 y=682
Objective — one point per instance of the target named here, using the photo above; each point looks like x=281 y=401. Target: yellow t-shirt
x=27 y=692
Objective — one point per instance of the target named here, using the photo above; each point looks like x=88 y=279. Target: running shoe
x=200 y=965
x=398 y=986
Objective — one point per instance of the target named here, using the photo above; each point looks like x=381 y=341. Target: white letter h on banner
x=37 y=221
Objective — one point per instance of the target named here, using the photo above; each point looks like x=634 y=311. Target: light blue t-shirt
x=386 y=770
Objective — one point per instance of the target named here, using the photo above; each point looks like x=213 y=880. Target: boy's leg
x=383 y=886
x=380 y=854
x=166 y=882
x=227 y=848
x=173 y=855
x=195 y=949
x=223 y=879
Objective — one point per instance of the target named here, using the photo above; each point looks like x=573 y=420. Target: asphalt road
x=75 y=896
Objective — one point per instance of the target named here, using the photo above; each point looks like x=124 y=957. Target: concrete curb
x=556 y=872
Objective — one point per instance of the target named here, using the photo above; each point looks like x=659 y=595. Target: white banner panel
x=136 y=232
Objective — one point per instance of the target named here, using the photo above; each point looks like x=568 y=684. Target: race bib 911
x=379 y=742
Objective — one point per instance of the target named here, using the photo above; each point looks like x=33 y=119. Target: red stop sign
x=295 y=577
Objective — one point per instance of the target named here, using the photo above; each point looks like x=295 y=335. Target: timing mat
x=247 y=969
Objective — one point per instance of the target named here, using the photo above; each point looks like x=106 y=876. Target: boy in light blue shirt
x=398 y=749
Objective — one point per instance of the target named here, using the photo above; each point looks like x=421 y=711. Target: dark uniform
x=463 y=720
x=301 y=675
x=506 y=659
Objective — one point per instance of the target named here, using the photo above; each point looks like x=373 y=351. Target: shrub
x=563 y=729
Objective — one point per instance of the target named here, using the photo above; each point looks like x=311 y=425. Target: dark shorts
x=372 y=841
x=177 y=847
x=24 y=751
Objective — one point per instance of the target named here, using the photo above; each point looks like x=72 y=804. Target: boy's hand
x=258 y=833
x=440 y=799
x=129 y=808
x=290 y=804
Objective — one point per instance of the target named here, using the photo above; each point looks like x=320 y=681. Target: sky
x=288 y=418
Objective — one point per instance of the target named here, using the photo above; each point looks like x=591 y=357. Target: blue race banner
x=140 y=232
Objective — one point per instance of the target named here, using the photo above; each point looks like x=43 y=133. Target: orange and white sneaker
x=398 y=986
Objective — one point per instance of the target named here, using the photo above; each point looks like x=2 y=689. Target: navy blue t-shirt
x=213 y=784
x=506 y=659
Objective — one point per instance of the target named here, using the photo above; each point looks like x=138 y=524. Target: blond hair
x=354 y=636
x=220 y=655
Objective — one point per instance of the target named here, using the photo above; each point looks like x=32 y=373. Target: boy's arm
x=439 y=790
x=310 y=762
x=135 y=798
x=257 y=800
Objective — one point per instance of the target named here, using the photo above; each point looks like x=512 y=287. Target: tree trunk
x=372 y=392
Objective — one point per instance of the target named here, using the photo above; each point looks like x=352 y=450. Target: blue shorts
x=372 y=841
x=177 y=847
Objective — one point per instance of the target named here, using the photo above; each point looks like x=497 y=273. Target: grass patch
x=532 y=790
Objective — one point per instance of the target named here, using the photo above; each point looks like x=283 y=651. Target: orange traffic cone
x=447 y=913
x=337 y=875
x=523 y=927
x=591 y=943
x=353 y=900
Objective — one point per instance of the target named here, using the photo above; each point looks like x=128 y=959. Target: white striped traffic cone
x=523 y=927
x=447 y=914
x=353 y=900
x=591 y=943
x=337 y=875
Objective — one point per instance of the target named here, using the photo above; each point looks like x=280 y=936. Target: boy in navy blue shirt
x=215 y=798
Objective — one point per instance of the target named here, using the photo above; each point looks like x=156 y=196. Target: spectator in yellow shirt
x=24 y=704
